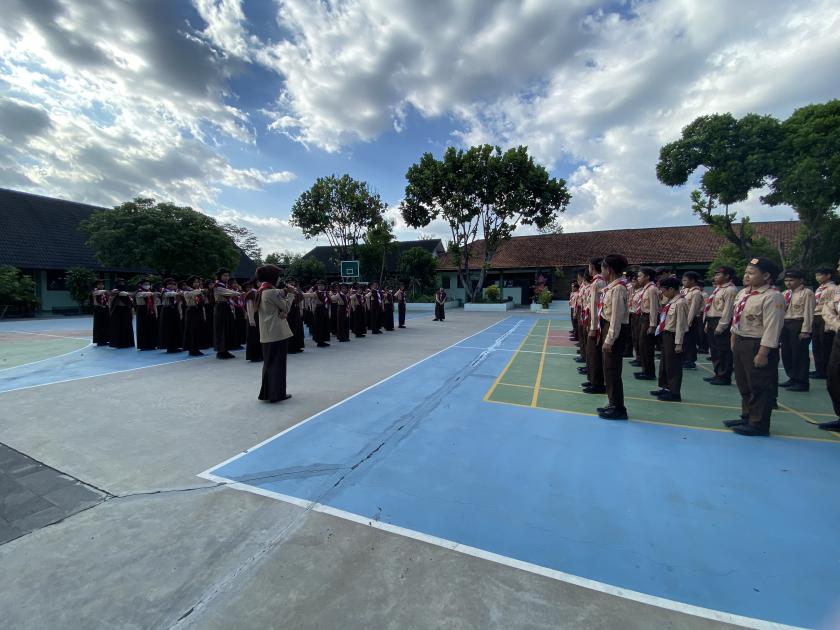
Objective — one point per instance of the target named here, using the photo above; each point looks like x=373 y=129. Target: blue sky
x=236 y=106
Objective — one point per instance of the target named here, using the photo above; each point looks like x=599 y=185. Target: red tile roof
x=653 y=246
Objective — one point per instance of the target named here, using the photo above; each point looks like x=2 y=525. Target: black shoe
x=402 y=326
x=669 y=397
x=737 y=422
x=197 y=353
x=690 y=366
x=582 y=370
x=775 y=404
x=613 y=414
x=323 y=345
x=580 y=360
x=798 y=387
x=719 y=381
x=379 y=332
x=594 y=389
x=224 y=355
x=787 y=383
x=658 y=392
x=604 y=409
x=834 y=425
x=435 y=319
x=586 y=384
x=636 y=363
x=820 y=377
x=749 y=429
x=644 y=377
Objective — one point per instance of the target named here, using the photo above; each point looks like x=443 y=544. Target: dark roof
x=654 y=246
x=324 y=254
x=43 y=233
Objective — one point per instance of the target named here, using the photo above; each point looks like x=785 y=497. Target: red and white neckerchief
x=603 y=298
x=741 y=305
x=788 y=297
x=642 y=297
x=821 y=289
x=711 y=299
x=663 y=314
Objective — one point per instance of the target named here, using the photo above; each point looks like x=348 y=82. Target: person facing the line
x=756 y=327
x=796 y=331
x=272 y=307
x=822 y=337
x=400 y=296
x=647 y=312
x=673 y=329
x=440 y=300
x=614 y=334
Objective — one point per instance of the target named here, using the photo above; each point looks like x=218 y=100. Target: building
x=519 y=262
x=326 y=256
x=41 y=237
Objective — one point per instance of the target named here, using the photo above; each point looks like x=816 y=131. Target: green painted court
x=542 y=374
x=20 y=348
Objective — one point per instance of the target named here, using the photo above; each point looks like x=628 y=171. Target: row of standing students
x=745 y=332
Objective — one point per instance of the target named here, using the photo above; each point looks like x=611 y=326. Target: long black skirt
x=388 y=323
x=274 y=371
x=401 y=314
x=357 y=321
x=170 y=329
x=321 y=324
x=193 y=329
x=147 y=329
x=342 y=324
x=101 y=323
x=207 y=327
x=440 y=313
x=121 y=334
x=334 y=318
x=296 y=342
x=253 y=348
x=240 y=322
x=224 y=332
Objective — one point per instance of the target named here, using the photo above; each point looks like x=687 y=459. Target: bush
x=424 y=298
x=16 y=290
x=492 y=293
x=79 y=282
x=545 y=298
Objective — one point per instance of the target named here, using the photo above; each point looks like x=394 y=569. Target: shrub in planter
x=492 y=293
x=545 y=298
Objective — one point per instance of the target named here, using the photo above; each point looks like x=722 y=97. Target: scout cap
x=765 y=265
x=794 y=273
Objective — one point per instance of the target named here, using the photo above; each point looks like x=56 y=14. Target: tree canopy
x=79 y=282
x=305 y=269
x=341 y=209
x=245 y=240
x=379 y=241
x=16 y=290
x=167 y=239
x=418 y=267
x=481 y=192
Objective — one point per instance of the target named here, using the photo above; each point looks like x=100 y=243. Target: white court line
x=58 y=356
x=594 y=585
x=23 y=332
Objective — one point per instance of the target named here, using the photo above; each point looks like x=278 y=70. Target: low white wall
x=429 y=306
x=503 y=306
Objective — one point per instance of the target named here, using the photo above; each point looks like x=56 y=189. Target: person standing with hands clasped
x=756 y=327
x=614 y=334
x=273 y=306
x=796 y=331
x=673 y=329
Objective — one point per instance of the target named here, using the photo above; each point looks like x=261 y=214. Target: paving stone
x=74 y=498
x=46 y=480
x=23 y=467
x=20 y=504
x=37 y=520
x=8 y=531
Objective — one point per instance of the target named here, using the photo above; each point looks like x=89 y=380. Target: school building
x=41 y=237
x=525 y=261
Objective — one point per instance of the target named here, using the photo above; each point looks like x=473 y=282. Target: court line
x=209 y=471
x=509 y=363
x=542 y=365
x=23 y=332
x=560 y=576
x=58 y=356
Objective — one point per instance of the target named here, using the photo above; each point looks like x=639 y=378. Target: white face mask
x=145 y=287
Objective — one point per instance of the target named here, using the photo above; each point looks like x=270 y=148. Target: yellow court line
x=509 y=363
x=542 y=365
x=667 y=424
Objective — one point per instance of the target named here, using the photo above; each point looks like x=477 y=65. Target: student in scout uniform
x=717 y=315
x=673 y=328
x=583 y=315
x=99 y=299
x=594 y=357
x=634 y=304
x=822 y=336
x=573 y=299
x=629 y=277
x=295 y=318
x=321 y=316
x=273 y=307
x=224 y=326
x=702 y=339
x=440 y=308
x=388 y=309
x=400 y=296
x=694 y=301
x=342 y=324
x=756 y=327
x=169 y=333
x=209 y=308
x=831 y=316
x=796 y=331
x=146 y=303
x=193 y=298
x=253 y=349
x=614 y=331
x=120 y=332
x=357 y=311
x=648 y=312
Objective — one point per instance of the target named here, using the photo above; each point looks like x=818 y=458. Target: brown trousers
x=612 y=364
x=720 y=348
x=690 y=341
x=594 y=360
x=758 y=386
x=634 y=333
x=823 y=340
x=647 y=345
x=795 y=357
x=671 y=364
x=833 y=375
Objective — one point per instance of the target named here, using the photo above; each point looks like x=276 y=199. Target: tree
x=340 y=208
x=278 y=258
x=418 y=266
x=168 y=239
x=481 y=190
x=245 y=240
x=79 y=282
x=806 y=175
x=379 y=241
x=16 y=290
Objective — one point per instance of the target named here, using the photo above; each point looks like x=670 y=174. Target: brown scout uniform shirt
x=723 y=305
x=826 y=292
x=802 y=304
x=762 y=317
x=650 y=303
x=615 y=310
x=593 y=296
x=694 y=299
x=676 y=321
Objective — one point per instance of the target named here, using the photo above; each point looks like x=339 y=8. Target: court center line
x=542 y=365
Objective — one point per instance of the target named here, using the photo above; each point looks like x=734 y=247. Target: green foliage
x=379 y=241
x=80 y=282
x=245 y=240
x=492 y=293
x=545 y=296
x=275 y=258
x=808 y=252
x=481 y=191
x=425 y=298
x=16 y=289
x=169 y=239
x=730 y=255
x=305 y=269
x=340 y=208
x=418 y=266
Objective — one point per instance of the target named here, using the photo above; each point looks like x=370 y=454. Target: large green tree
x=481 y=192
x=168 y=239
x=79 y=282
x=245 y=240
x=305 y=269
x=379 y=241
x=806 y=175
x=341 y=209
x=16 y=290
x=418 y=267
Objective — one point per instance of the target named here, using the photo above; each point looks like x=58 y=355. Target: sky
x=235 y=107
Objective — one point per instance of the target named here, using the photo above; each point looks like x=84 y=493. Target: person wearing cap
x=146 y=303
x=796 y=331
x=169 y=331
x=831 y=315
x=717 y=318
x=321 y=315
x=400 y=297
x=822 y=336
x=647 y=311
x=99 y=299
x=388 y=309
x=193 y=297
x=297 y=343
x=273 y=306
x=614 y=334
x=440 y=305
x=121 y=331
x=224 y=326
x=673 y=329
x=594 y=357
x=694 y=300
x=583 y=317
x=756 y=328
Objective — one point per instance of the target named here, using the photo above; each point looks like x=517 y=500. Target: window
x=445 y=281
x=55 y=280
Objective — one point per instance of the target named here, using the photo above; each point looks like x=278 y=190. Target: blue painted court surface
x=710 y=519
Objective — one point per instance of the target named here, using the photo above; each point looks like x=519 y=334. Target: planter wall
x=429 y=306
x=503 y=306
